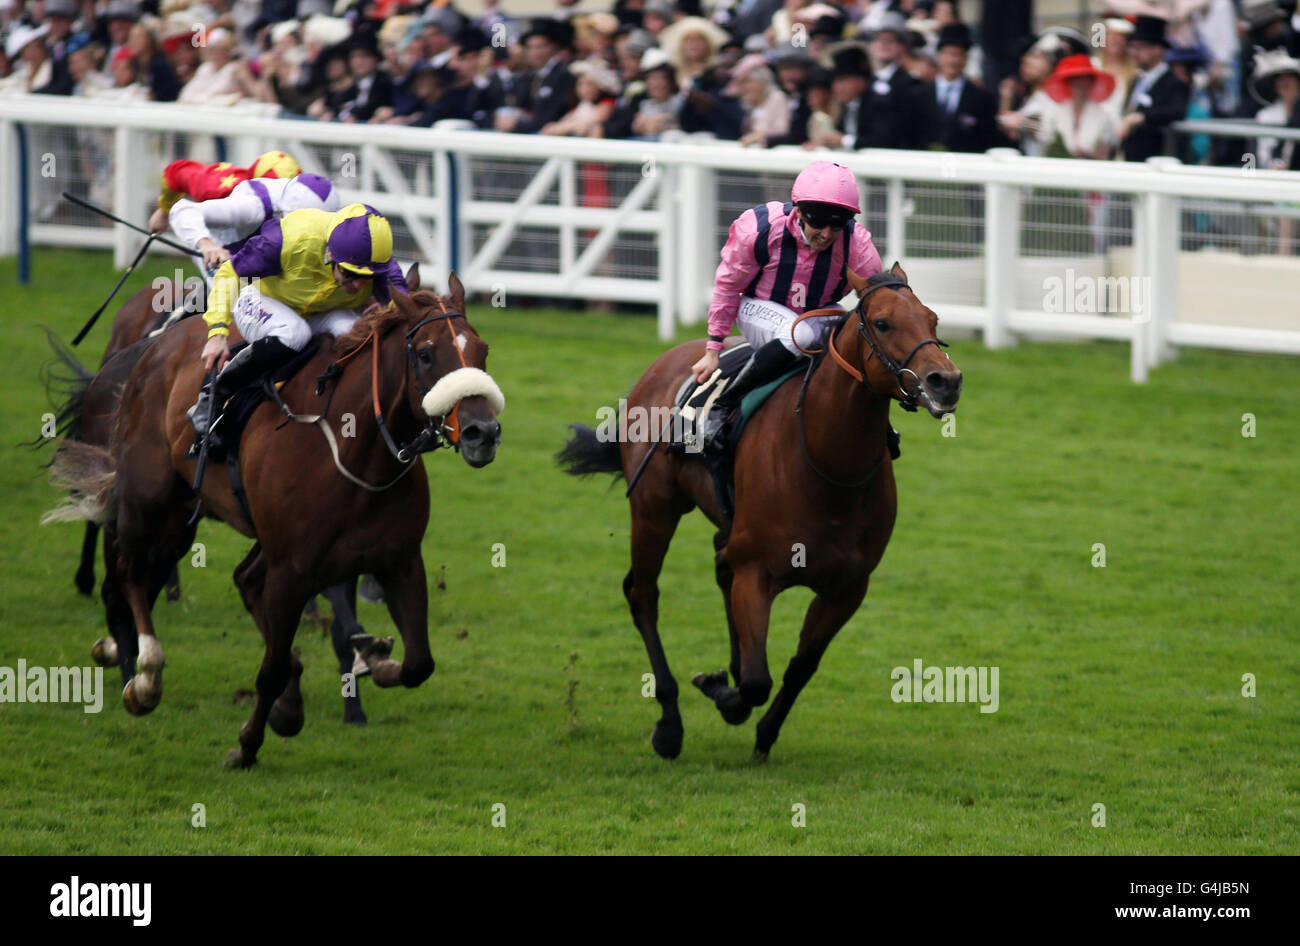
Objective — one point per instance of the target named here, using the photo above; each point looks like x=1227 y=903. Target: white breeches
x=761 y=320
x=259 y=316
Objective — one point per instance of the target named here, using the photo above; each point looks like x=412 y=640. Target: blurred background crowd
x=839 y=74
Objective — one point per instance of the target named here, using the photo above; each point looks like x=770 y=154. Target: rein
x=444 y=433
x=908 y=401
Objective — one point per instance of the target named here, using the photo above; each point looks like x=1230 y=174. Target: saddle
x=695 y=402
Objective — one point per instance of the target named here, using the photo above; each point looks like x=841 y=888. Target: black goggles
x=819 y=216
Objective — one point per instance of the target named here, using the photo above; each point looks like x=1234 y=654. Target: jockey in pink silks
x=779 y=261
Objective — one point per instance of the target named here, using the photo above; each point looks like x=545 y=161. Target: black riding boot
x=766 y=364
x=260 y=358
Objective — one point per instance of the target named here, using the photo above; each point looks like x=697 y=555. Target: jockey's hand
x=158 y=221
x=213 y=253
x=705 y=367
x=215 y=352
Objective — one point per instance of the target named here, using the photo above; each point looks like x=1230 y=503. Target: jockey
x=219 y=226
x=312 y=271
x=200 y=182
x=778 y=262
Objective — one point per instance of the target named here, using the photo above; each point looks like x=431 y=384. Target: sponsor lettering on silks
x=922 y=684
x=53 y=685
x=125 y=900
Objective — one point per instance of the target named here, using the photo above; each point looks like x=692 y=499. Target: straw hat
x=598 y=73
x=672 y=36
x=1269 y=64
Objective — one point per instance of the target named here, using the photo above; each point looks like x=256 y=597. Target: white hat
x=598 y=73
x=1269 y=64
x=327 y=30
x=282 y=29
x=22 y=36
x=654 y=58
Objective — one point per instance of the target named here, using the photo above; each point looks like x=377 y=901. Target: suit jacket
x=546 y=97
x=887 y=113
x=1163 y=103
x=972 y=126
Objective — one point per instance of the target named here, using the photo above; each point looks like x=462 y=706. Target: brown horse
x=323 y=509
x=815 y=498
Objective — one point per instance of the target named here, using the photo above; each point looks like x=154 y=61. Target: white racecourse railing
x=1001 y=243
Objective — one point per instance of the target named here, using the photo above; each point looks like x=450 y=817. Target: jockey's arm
x=735 y=272
x=193 y=221
x=390 y=278
x=864 y=259
x=258 y=257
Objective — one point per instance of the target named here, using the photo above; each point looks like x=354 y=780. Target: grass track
x=1119 y=685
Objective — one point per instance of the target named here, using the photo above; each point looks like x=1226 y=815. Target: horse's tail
x=88 y=474
x=66 y=380
x=587 y=452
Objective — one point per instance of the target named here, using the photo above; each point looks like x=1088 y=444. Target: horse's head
x=902 y=355
x=447 y=362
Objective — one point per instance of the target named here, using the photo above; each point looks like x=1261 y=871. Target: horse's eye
x=882 y=325
x=425 y=357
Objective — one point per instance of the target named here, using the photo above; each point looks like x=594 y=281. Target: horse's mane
x=381 y=321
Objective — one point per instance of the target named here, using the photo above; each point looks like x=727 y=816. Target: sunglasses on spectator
x=820 y=217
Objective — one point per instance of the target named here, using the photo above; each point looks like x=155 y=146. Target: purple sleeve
x=391 y=277
x=260 y=254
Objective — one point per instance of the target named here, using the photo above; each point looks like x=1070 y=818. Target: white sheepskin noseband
x=462 y=383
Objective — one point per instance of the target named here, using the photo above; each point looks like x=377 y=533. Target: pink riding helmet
x=826 y=182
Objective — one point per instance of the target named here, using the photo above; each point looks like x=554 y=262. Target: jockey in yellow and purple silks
x=313 y=271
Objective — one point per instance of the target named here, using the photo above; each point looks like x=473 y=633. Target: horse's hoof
x=357 y=718
x=706 y=683
x=667 y=743
x=85 y=586
x=760 y=754
x=371 y=648
x=134 y=705
x=235 y=760
x=359 y=666
x=283 y=722
x=104 y=652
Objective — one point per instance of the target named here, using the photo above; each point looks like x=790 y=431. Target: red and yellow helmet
x=276 y=164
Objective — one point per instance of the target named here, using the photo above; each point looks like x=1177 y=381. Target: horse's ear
x=856 y=282
x=413 y=277
x=898 y=271
x=457 y=290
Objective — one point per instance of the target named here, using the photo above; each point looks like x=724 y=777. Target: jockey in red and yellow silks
x=199 y=181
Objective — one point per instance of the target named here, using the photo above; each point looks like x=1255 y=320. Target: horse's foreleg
x=734 y=710
x=751 y=606
x=85 y=578
x=343 y=599
x=407 y=596
x=824 y=619
x=652 y=533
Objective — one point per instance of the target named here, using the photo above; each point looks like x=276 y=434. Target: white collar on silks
x=459 y=384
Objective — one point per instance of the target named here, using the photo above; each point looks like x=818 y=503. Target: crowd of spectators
x=838 y=74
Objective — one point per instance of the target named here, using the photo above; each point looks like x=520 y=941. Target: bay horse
x=87 y=408
x=815 y=499
x=323 y=509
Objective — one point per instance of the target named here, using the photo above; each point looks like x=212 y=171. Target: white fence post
x=895 y=221
x=1001 y=248
x=670 y=272
x=686 y=194
x=1163 y=246
x=9 y=221
x=129 y=196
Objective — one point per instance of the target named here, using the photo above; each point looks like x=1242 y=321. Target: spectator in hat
x=850 y=91
x=656 y=16
x=766 y=108
x=31 y=68
x=962 y=117
x=61 y=16
x=119 y=16
x=1082 y=127
x=597 y=88
x=1116 y=61
x=430 y=100
x=657 y=110
x=888 y=115
x=374 y=88
x=220 y=79
x=692 y=45
x=1023 y=105
x=1190 y=64
x=339 y=88
x=548 y=93
x=1157 y=97
x=1276 y=84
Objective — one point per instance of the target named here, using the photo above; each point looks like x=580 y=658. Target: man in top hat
x=374 y=87
x=60 y=15
x=1157 y=97
x=850 y=79
x=887 y=118
x=960 y=115
x=548 y=91
x=119 y=17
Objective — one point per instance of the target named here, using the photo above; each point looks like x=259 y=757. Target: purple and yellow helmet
x=361 y=242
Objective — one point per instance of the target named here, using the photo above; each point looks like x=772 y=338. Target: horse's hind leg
x=714 y=685
x=287 y=713
x=85 y=578
x=343 y=598
x=652 y=533
x=173 y=585
x=407 y=596
x=823 y=621
x=282 y=600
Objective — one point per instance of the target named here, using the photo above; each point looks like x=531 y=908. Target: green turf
x=1120 y=685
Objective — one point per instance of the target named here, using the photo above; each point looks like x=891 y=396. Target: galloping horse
x=323 y=509
x=812 y=470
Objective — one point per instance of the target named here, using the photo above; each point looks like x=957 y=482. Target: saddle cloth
x=234 y=417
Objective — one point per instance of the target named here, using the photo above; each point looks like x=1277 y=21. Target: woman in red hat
x=1085 y=127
